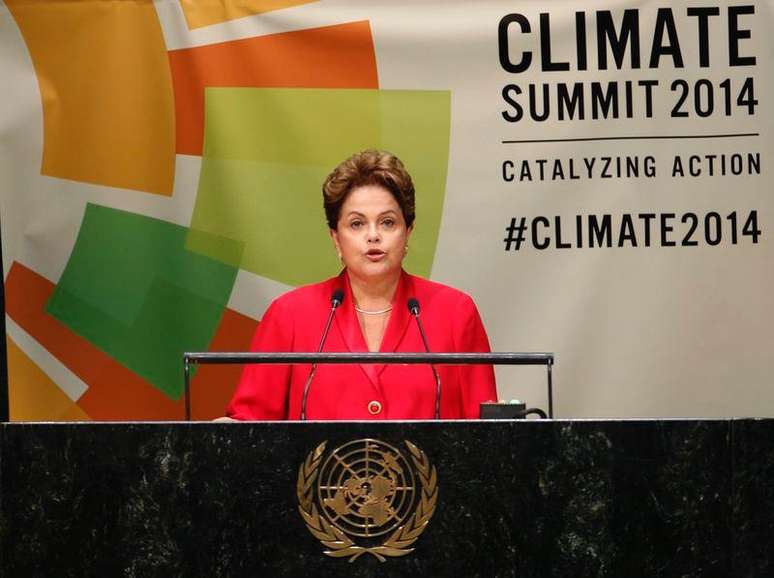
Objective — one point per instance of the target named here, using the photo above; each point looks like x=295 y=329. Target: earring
x=340 y=258
x=405 y=249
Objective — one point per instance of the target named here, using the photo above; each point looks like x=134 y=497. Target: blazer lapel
x=400 y=317
x=349 y=328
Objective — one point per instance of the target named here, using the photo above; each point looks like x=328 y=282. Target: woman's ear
x=335 y=238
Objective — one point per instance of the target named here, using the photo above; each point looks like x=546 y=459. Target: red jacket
x=295 y=322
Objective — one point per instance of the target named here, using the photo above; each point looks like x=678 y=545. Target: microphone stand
x=413 y=306
x=336 y=299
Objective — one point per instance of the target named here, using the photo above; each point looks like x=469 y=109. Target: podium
x=512 y=498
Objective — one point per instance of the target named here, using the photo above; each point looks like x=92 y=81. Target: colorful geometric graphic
x=200 y=13
x=270 y=115
x=267 y=151
x=106 y=92
x=133 y=290
x=32 y=394
x=340 y=56
x=115 y=392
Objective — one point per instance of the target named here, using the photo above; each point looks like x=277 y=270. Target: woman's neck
x=374 y=293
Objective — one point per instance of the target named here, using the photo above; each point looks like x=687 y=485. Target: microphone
x=337 y=297
x=413 y=306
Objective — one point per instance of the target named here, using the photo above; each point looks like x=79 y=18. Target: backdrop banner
x=593 y=173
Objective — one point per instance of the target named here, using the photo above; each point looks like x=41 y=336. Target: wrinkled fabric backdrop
x=595 y=174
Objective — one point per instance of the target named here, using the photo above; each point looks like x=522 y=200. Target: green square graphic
x=133 y=290
x=268 y=151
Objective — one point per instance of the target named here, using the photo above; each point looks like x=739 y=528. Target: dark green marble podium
x=534 y=499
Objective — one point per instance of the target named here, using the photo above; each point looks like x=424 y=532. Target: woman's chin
x=375 y=270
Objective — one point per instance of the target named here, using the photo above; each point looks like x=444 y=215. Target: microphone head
x=413 y=305
x=337 y=297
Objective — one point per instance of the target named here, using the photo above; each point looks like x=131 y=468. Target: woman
x=369 y=205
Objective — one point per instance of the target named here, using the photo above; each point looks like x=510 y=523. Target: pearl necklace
x=366 y=312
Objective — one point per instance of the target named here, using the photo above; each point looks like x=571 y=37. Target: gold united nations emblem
x=367 y=497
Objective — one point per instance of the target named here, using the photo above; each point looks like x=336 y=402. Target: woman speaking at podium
x=369 y=205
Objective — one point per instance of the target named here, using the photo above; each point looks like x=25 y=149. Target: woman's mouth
x=375 y=255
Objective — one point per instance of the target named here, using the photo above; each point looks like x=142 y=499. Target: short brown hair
x=369 y=167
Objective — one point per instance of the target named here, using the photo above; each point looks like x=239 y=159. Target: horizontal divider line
x=644 y=137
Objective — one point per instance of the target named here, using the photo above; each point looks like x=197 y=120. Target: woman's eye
x=388 y=223
x=355 y=224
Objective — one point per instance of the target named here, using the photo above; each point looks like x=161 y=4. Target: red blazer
x=295 y=322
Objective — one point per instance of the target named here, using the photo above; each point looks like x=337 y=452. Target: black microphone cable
x=413 y=306
x=336 y=299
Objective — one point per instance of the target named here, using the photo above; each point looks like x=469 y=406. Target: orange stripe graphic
x=32 y=394
x=200 y=13
x=340 y=56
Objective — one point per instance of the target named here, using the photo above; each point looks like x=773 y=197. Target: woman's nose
x=373 y=234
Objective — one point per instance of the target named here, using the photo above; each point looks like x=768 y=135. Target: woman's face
x=371 y=235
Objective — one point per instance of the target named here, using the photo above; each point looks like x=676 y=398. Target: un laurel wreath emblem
x=367 y=497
